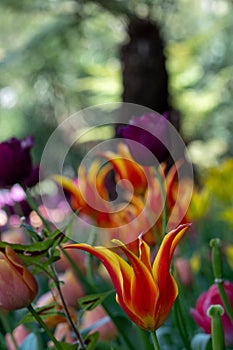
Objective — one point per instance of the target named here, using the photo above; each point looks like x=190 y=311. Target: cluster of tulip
x=68 y=294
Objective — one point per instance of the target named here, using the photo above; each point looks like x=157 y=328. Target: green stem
x=7 y=328
x=179 y=318
x=217 y=331
x=145 y=339
x=44 y=326
x=155 y=340
x=225 y=299
x=69 y=318
x=164 y=199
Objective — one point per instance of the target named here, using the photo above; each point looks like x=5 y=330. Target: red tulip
x=145 y=292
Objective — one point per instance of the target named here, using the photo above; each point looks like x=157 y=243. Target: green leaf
x=44 y=265
x=90 y=302
x=31 y=230
x=201 y=341
x=65 y=346
x=45 y=312
x=37 y=248
x=91 y=340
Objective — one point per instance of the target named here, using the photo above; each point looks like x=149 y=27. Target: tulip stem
x=180 y=322
x=44 y=326
x=164 y=199
x=225 y=299
x=69 y=318
x=155 y=340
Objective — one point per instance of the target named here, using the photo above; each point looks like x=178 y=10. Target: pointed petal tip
x=71 y=246
x=117 y=242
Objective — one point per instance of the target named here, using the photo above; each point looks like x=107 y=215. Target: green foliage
x=65 y=56
x=90 y=302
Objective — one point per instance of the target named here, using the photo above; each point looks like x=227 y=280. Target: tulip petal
x=126 y=168
x=119 y=270
x=68 y=185
x=142 y=285
x=161 y=270
x=28 y=278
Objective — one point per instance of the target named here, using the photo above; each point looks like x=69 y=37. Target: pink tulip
x=19 y=334
x=18 y=287
x=184 y=271
x=62 y=333
x=71 y=288
x=212 y=297
x=107 y=331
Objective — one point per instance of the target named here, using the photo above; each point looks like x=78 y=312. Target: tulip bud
x=216 y=258
x=215 y=312
x=18 y=287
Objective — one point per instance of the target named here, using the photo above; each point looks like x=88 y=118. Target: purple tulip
x=15 y=161
x=33 y=177
x=145 y=130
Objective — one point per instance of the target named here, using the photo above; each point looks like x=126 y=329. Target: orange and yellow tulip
x=145 y=291
x=125 y=167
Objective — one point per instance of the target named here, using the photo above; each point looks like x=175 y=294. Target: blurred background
x=57 y=57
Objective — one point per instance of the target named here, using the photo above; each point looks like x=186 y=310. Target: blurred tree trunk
x=145 y=79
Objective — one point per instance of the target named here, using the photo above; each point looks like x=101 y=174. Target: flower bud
x=18 y=287
x=215 y=312
x=216 y=258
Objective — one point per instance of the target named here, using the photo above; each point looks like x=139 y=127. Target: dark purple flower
x=151 y=131
x=33 y=177
x=212 y=297
x=15 y=161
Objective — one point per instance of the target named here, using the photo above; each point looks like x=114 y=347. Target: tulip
x=212 y=297
x=50 y=301
x=145 y=291
x=107 y=331
x=18 y=287
x=71 y=288
x=62 y=333
x=15 y=161
x=144 y=130
x=19 y=333
x=85 y=197
x=126 y=168
x=184 y=271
